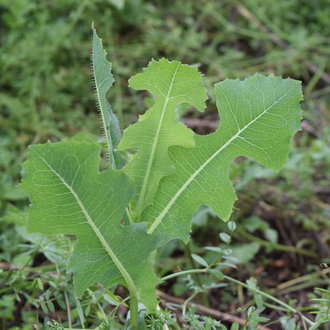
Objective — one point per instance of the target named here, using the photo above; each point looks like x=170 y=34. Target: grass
x=46 y=93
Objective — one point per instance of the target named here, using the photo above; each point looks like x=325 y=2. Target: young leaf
x=199 y=260
x=225 y=237
x=171 y=83
x=70 y=196
x=258 y=117
x=103 y=79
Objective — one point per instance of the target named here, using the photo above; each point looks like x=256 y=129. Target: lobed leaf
x=69 y=196
x=171 y=83
x=258 y=117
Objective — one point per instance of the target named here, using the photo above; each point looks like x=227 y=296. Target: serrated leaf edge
x=101 y=104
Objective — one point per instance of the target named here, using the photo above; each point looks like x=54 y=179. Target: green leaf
x=171 y=84
x=258 y=117
x=231 y=225
x=225 y=237
x=199 y=260
x=70 y=196
x=243 y=253
x=103 y=79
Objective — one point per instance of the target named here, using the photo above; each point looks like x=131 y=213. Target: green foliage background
x=46 y=92
x=45 y=46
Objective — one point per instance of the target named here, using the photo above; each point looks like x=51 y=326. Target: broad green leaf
x=171 y=84
x=70 y=196
x=103 y=79
x=258 y=117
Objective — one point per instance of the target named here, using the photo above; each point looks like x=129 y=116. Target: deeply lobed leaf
x=171 y=83
x=258 y=117
x=70 y=196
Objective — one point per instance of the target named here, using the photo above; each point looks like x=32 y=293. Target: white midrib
x=112 y=158
x=116 y=261
x=140 y=202
x=160 y=217
x=106 y=128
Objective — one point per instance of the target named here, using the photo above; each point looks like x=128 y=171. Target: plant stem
x=276 y=246
x=80 y=312
x=68 y=310
x=184 y=306
x=134 y=311
x=233 y=280
x=198 y=279
x=129 y=217
x=184 y=272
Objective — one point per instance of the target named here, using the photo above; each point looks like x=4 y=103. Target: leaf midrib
x=140 y=202
x=165 y=210
x=102 y=105
x=119 y=265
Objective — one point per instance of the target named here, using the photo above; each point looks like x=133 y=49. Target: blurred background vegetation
x=46 y=93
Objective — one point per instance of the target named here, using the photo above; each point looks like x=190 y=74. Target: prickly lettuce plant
x=171 y=83
x=120 y=215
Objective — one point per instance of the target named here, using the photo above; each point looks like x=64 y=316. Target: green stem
x=134 y=311
x=228 y=278
x=268 y=296
x=129 y=216
x=198 y=279
x=276 y=246
x=68 y=309
x=184 y=306
x=80 y=311
x=185 y=272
